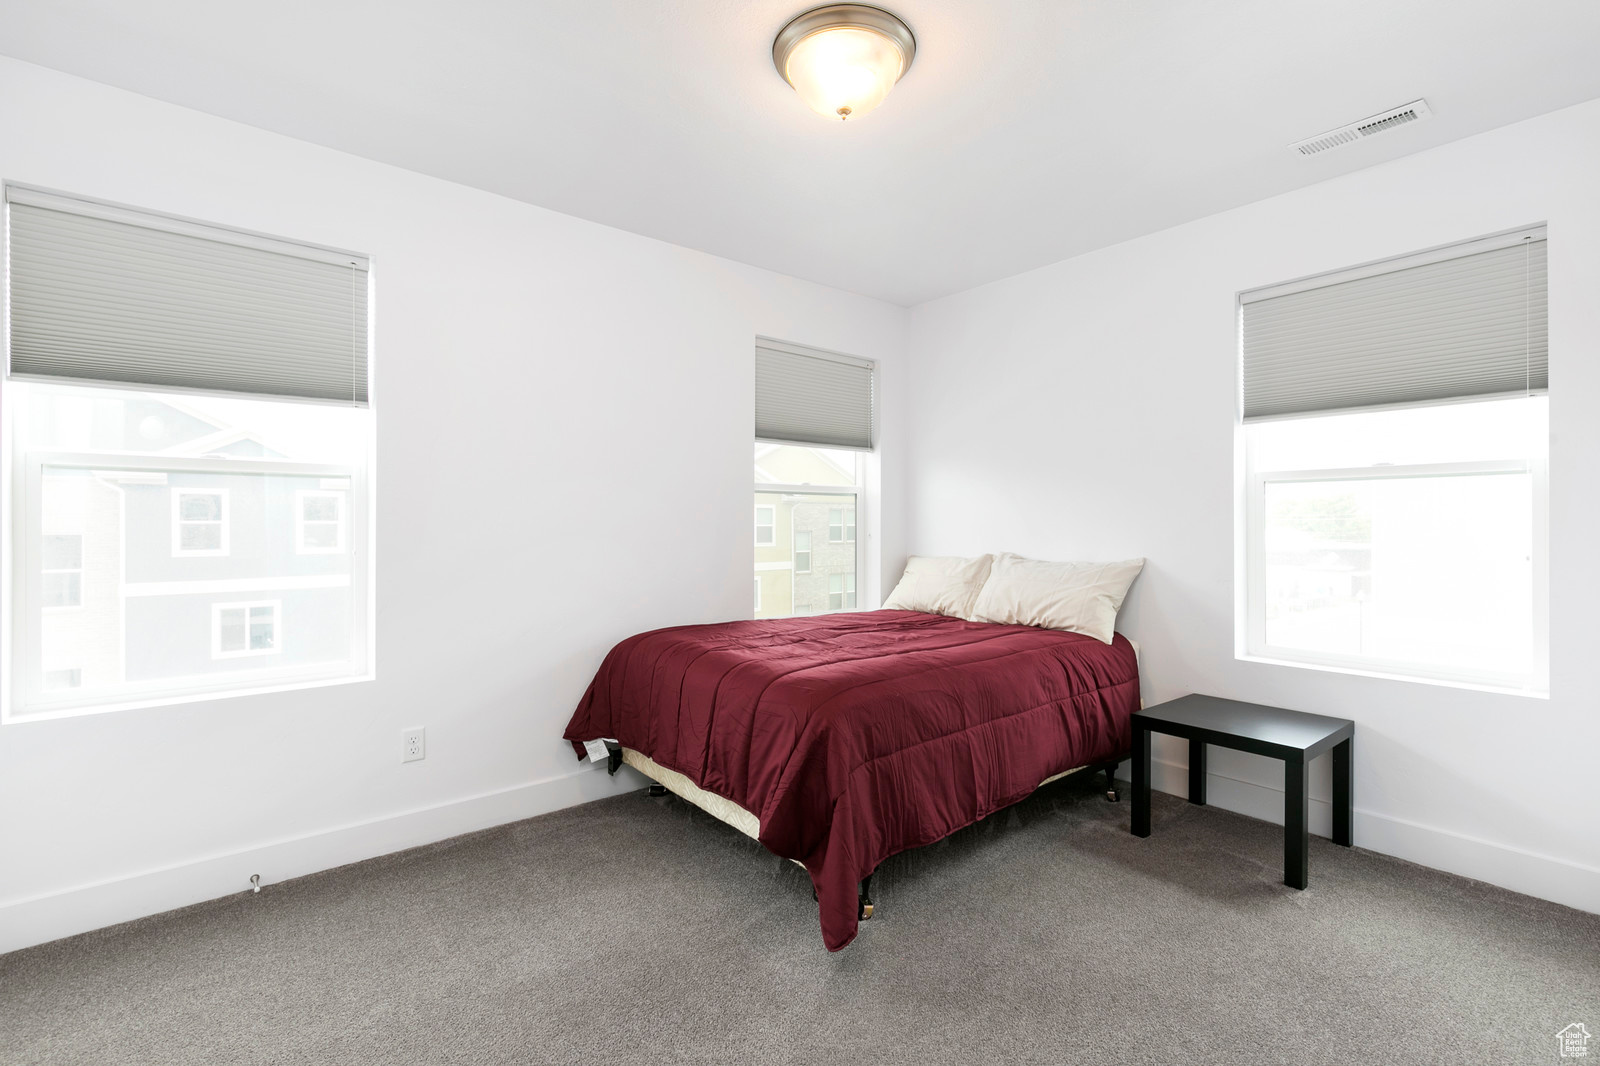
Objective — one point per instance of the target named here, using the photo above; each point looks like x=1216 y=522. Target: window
x=319 y=522
x=814 y=427
x=1387 y=528
x=244 y=629
x=62 y=557
x=200 y=522
x=765 y=525
x=758 y=596
x=797 y=575
x=841 y=524
x=210 y=461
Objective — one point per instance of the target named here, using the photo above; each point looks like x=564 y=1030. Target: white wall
x=564 y=458
x=1086 y=411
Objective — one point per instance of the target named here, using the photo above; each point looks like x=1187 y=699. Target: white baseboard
x=37 y=919
x=1510 y=867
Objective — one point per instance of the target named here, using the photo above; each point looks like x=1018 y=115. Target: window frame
x=177 y=493
x=1253 y=644
x=300 y=521
x=26 y=700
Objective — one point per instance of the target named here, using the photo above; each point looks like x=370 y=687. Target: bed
x=839 y=740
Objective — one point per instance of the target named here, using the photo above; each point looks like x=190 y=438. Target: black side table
x=1292 y=736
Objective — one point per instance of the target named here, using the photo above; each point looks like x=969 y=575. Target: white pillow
x=1078 y=597
x=943 y=584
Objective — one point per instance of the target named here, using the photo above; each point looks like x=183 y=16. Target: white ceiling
x=1026 y=132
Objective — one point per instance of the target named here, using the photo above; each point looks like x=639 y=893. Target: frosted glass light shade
x=844 y=58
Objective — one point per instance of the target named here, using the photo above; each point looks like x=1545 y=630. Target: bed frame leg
x=1112 y=795
x=866 y=899
x=613 y=758
x=658 y=790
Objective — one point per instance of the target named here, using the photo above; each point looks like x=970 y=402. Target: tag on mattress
x=597 y=751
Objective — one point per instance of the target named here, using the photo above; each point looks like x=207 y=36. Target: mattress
x=721 y=808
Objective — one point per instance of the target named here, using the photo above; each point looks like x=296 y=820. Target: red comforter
x=856 y=736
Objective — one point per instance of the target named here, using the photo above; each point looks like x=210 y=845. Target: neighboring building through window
x=766 y=519
x=1392 y=526
x=797 y=565
x=841 y=591
x=62 y=559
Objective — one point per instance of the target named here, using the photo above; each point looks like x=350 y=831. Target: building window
x=319 y=522
x=841 y=592
x=62 y=560
x=1391 y=526
x=235 y=425
x=239 y=629
x=841 y=524
x=802 y=551
x=766 y=528
x=200 y=522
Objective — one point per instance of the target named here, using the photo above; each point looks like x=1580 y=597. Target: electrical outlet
x=413 y=745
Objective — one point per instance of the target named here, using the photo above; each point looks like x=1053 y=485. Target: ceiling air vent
x=1382 y=122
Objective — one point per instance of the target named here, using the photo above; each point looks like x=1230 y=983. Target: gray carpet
x=638 y=930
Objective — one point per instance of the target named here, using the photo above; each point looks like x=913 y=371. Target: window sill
x=1470 y=686
x=13 y=718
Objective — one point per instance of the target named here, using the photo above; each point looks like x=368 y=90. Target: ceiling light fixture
x=843 y=58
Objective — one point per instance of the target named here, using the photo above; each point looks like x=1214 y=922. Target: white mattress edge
x=722 y=808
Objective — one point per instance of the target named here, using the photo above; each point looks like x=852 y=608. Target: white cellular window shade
x=108 y=294
x=805 y=396
x=1454 y=324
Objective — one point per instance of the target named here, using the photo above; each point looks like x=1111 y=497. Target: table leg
x=1296 y=838
x=1197 y=771
x=1343 y=801
x=1141 y=780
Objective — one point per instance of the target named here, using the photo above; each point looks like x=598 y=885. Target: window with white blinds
x=1458 y=323
x=806 y=396
x=1390 y=527
x=100 y=293
x=185 y=403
